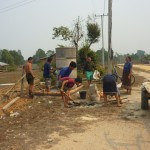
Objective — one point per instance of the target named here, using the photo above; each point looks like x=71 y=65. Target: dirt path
x=43 y=123
x=129 y=130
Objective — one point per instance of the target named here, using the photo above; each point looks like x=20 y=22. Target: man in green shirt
x=88 y=69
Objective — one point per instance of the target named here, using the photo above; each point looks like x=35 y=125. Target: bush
x=102 y=70
x=53 y=79
x=80 y=74
x=11 y=68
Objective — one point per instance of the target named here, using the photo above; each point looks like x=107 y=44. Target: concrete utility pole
x=109 y=36
x=102 y=17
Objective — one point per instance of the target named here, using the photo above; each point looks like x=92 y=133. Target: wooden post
x=15 y=84
x=109 y=36
x=22 y=84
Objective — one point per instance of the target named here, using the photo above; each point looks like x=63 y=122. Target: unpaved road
x=43 y=123
x=129 y=130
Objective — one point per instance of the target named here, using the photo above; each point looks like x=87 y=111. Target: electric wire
x=13 y=5
x=16 y=5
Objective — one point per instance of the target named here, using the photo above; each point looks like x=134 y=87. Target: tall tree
x=17 y=56
x=93 y=33
x=49 y=53
x=7 y=57
x=83 y=53
x=73 y=35
x=39 y=54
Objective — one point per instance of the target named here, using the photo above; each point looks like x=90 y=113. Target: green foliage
x=39 y=54
x=6 y=57
x=11 y=57
x=92 y=54
x=75 y=35
x=101 y=69
x=40 y=64
x=17 y=56
x=53 y=79
x=83 y=53
x=93 y=33
x=11 y=68
x=63 y=32
x=49 y=53
x=80 y=74
x=99 y=56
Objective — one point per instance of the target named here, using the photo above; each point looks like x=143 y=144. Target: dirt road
x=127 y=130
x=43 y=123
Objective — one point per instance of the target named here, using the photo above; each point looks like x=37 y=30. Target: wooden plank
x=15 y=84
x=56 y=93
x=76 y=89
x=36 y=93
x=7 y=84
x=10 y=103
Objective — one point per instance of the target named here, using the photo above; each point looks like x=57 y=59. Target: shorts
x=47 y=82
x=30 y=78
x=89 y=75
x=109 y=85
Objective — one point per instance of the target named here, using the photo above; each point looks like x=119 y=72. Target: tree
x=63 y=32
x=17 y=56
x=7 y=57
x=39 y=54
x=49 y=53
x=83 y=53
x=0 y=55
x=93 y=33
x=99 y=56
x=73 y=35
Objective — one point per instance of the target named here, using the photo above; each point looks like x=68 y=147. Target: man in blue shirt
x=47 y=73
x=110 y=88
x=66 y=71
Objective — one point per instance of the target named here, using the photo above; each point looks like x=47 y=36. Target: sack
x=96 y=75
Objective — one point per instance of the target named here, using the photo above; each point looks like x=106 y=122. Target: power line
x=12 y=5
x=15 y=5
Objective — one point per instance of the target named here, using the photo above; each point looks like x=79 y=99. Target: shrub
x=11 y=68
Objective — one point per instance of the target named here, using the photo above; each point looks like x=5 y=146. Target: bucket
x=82 y=94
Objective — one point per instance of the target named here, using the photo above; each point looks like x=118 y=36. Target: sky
x=27 y=25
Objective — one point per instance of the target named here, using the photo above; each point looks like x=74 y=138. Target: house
x=44 y=59
x=3 y=66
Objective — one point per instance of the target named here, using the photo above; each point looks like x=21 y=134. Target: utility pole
x=102 y=21
x=110 y=57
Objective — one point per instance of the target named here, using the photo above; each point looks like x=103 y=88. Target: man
x=88 y=69
x=110 y=88
x=67 y=84
x=29 y=75
x=47 y=73
x=65 y=72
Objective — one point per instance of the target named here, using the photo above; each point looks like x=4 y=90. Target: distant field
x=142 y=67
x=13 y=77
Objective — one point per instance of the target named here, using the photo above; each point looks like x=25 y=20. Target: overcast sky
x=27 y=24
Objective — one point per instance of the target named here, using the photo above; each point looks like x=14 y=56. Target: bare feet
x=120 y=101
x=119 y=105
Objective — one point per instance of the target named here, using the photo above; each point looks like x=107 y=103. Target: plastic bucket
x=82 y=94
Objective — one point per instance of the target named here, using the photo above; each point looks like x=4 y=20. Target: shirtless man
x=29 y=75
